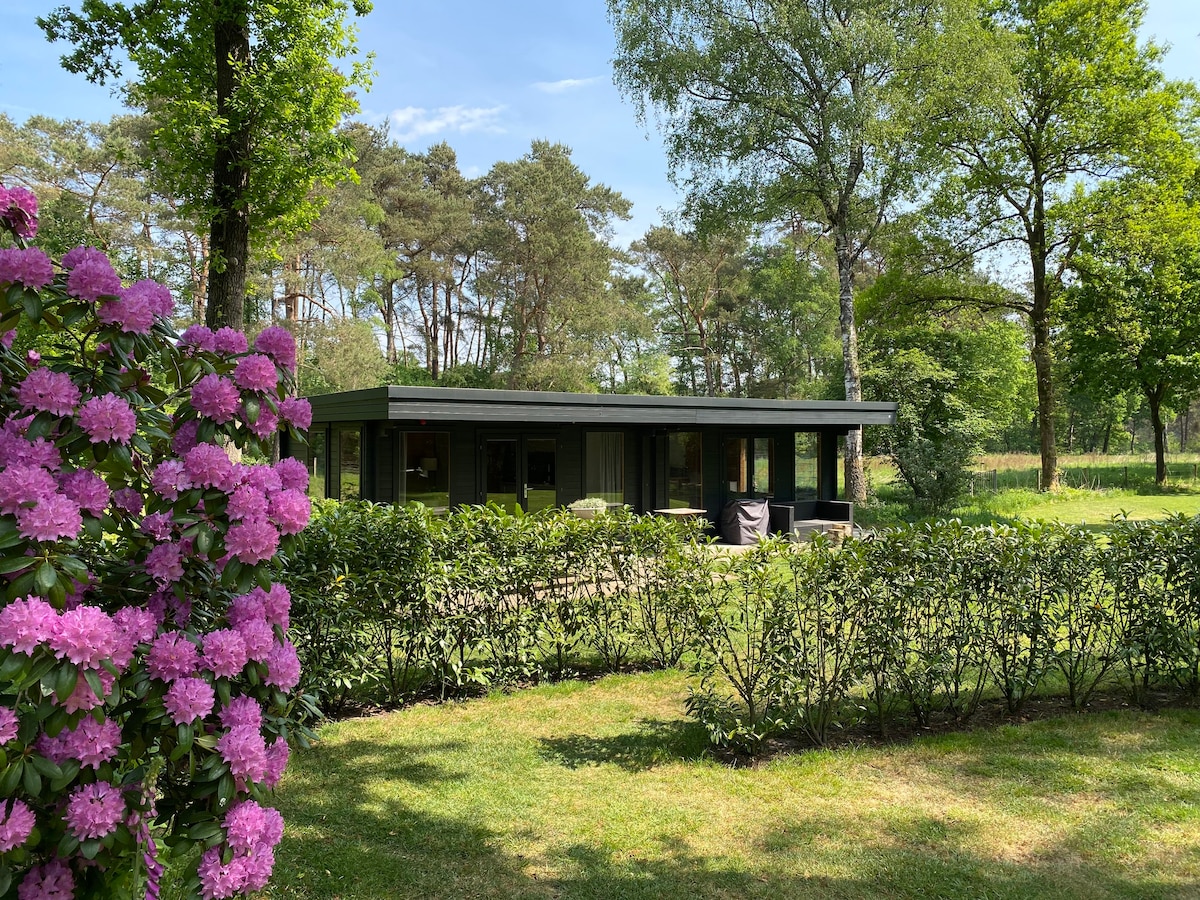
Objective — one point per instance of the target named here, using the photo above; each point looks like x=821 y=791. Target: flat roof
x=434 y=404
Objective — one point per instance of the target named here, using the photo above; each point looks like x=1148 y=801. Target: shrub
x=144 y=668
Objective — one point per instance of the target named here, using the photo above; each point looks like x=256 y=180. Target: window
x=684 y=487
x=318 y=460
x=350 y=463
x=750 y=467
x=426 y=456
x=807 y=454
x=604 y=466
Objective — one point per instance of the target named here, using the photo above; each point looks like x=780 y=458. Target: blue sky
x=488 y=77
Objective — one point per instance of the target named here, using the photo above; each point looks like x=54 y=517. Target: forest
x=987 y=213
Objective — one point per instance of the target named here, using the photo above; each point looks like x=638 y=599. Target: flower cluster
x=145 y=654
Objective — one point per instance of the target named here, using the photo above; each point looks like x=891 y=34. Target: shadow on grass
x=655 y=742
x=350 y=837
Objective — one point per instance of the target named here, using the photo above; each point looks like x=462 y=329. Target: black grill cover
x=742 y=521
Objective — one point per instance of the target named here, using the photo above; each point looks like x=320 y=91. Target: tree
x=544 y=235
x=811 y=110
x=1134 y=315
x=692 y=275
x=245 y=103
x=1085 y=102
x=955 y=384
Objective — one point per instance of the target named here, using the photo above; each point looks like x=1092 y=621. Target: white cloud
x=567 y=84
x=413 y=122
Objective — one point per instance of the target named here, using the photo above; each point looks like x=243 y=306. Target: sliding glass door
x=521 y=471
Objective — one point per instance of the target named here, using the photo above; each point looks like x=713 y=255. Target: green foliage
x=392 y=603
x=920 y=623
x=955 y=387
x=245 y=102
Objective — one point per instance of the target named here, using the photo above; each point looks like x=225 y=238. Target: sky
x=488 y=78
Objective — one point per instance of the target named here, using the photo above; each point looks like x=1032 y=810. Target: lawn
x=603 y=790
x=1093 y=491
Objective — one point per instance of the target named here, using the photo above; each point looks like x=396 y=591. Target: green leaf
x=46 y=578
x=32 y=781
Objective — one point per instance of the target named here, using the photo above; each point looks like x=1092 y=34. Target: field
x=1094 y=489
x=602 y=790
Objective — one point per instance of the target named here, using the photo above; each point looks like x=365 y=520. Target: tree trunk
x=230 y=232
x=1039 y=318
x=1154 y=398
x=856 y=481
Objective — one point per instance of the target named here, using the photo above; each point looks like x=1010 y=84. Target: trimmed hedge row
x=915 y=625
x=920 y=623
x=392 y=603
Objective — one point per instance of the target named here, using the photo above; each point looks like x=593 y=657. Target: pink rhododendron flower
x=247 y=502
x=22 y=484
x=207 y=465
x=87 y=489
x=265 y=478
x=16 y=824
x=9 y=725
x=92 y=743
x=290 y=510
x=283 y=666
x=159 y=526
x=225 y=652
x=16 y=450
x=258 y=637
x=49 y=391
x=230 y=341
x=53 y=748
x=297 y=412
x=187 y=436
x=256 y=373
x=92 y=275
x=49 y=881
x=278 y=344
x=277 y=604
x=52 y=518
x=188 y=699
x=200 y=337
x=245 y=750
x=242 y=712
x=169 y=478
x=18 y=211
x=164 y=563
x=277 y=760
x=134 y=626
x=216 y=398
x=94 y=810
x=252 y=540
x=172 y=656
x=137 y=307
x=28 y=266
x=220 y=880
x=86 y=636
x=27 y=623
x=293 y=475
x=129 y=501
x=247 y=607
x=108 y=419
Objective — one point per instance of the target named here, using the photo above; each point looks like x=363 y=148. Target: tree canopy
x=817 y=111
x=245 y=101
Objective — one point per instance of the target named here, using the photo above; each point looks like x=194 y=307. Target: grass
x=1092 y=494
x=602 y=790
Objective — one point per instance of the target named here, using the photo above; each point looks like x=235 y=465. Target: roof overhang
x=431 y=405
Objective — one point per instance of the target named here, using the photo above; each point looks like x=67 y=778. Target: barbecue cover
x=742 y=521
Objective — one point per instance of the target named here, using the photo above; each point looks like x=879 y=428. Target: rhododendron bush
x=145 y=671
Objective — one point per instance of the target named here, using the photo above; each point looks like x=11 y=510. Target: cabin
x=449 y=446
